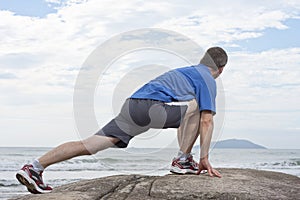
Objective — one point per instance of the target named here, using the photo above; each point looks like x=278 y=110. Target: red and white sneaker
x=188 y=166
x=32 y=180
x=193 y=162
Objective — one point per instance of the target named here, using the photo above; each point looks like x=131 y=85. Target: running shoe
x=188 y=166
x=33 y=180
x=193 y=162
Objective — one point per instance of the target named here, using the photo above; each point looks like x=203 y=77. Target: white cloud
x=212 y=25
x=54 y=1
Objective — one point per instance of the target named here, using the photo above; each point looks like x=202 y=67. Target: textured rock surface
x=235 y=184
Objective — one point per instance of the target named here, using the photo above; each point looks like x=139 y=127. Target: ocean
x=134 y=161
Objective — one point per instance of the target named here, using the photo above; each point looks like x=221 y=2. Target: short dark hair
x=214 y=57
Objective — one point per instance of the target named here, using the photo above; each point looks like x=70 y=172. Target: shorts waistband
x=178 y=103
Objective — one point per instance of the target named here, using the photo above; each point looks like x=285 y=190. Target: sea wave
x=280 y=164
x=8 y=183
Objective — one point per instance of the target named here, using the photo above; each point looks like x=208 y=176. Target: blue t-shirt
x=182 y=84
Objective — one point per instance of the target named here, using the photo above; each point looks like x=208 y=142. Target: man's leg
x=31 y=174
x=69 y=150
x=187 y=133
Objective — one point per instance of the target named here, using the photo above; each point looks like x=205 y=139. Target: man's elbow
x=206 y=118
x=206 y=121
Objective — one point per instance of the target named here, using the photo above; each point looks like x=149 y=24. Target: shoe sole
x=176 y=170
x=32 y=187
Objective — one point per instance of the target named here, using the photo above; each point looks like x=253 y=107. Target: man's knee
x=97 y=143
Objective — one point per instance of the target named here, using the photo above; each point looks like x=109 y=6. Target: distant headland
x=234 y=144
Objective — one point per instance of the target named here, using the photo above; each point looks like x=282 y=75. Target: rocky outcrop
x=235 y=184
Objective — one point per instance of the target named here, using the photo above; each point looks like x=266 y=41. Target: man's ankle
x=37 y=166
x=182 y=156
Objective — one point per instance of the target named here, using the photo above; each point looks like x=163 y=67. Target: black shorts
x=139 y=115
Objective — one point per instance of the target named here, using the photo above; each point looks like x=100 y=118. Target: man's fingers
x=199 y=170
x=210 y=172
x=216 y=173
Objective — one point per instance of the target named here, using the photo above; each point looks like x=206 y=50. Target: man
x=182 y=98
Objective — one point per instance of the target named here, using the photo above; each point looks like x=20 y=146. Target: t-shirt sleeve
x=207 y=97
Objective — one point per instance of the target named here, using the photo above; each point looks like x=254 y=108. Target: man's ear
x=221 y=70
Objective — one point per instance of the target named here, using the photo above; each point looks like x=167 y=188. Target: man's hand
x=205 y=165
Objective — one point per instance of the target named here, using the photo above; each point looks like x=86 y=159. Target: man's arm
x=206 y=130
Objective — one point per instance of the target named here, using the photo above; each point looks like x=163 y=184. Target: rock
x=235 y=184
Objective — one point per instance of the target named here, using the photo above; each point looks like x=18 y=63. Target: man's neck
x=214 y=73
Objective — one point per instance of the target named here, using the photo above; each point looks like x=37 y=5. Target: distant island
x=234 y=144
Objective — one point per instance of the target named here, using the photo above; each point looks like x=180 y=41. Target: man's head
x=215 y=58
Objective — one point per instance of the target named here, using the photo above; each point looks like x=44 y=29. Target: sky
x=44 y=44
